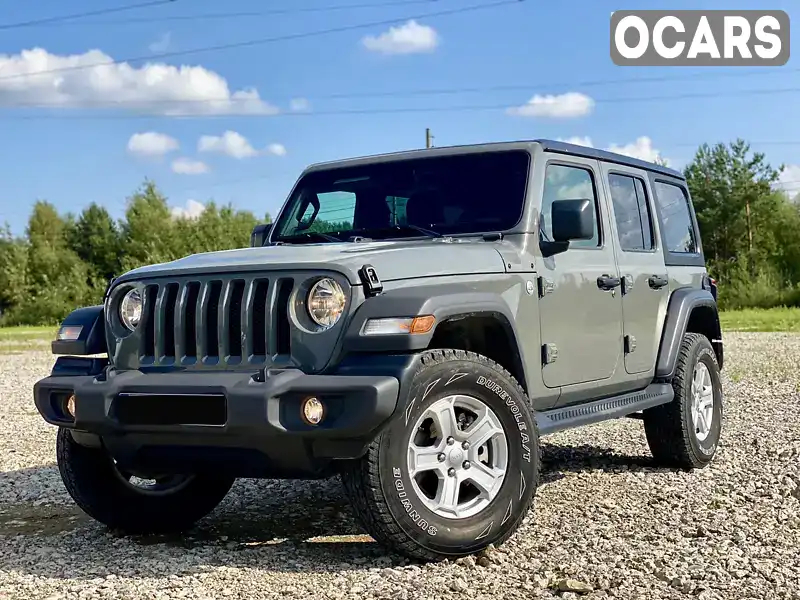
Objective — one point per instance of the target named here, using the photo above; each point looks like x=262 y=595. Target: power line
x=252 y=14
x=400 y=109
x=266 y=40
x=81 y=15
x=424 y=92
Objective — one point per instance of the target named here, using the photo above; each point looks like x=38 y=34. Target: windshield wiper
x=428 y=232
x=404 y=227
x=308 y=236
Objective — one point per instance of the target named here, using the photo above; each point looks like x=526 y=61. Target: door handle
x=606 y=282
x=657 y=282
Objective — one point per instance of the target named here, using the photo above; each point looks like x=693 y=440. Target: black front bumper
x=251 y=423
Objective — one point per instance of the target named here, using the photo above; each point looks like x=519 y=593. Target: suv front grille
x=223 y=321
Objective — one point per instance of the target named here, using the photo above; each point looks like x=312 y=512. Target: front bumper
x=249 y=424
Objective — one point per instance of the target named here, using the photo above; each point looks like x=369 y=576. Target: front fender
x=91 y=339
x=444 y=302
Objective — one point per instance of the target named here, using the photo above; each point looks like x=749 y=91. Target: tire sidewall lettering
x=408 y=509
x=406 y=502
x=522 y=426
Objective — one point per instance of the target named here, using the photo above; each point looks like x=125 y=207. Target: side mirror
x=572 y=220
x=260 y=233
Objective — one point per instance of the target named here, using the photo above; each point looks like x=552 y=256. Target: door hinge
x=630 y=344
x=545 y=286
x=549 y=353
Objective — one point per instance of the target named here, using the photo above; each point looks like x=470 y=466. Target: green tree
x=749 y=230
x=96 y=240
x=55 y=280
x=733 y=197
x=149 y=233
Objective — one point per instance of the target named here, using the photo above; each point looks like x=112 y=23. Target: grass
x=18 y=339
x=761 y=319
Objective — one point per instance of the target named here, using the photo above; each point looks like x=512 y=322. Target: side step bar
x=577 y=415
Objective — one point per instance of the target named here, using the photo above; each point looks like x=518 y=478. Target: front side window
x=462 y=194
x=568 y=183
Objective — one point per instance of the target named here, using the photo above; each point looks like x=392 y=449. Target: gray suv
x=411 y=322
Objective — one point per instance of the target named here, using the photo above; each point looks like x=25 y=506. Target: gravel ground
x=604 y=520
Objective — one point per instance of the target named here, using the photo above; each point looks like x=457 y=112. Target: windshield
x=469 y=193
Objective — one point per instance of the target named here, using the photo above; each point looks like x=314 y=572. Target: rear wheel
x=458 y=469
x=686 y=432
x=140 y=504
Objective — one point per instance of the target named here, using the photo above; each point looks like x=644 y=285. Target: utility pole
x=428 y=137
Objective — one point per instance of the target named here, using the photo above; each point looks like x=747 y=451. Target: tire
x=390 y=504
x=101 y=491
x=675 y=438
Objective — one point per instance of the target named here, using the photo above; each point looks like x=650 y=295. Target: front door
x=580 y=307
x=645 y=285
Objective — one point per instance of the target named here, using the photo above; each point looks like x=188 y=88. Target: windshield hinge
x=371 y=281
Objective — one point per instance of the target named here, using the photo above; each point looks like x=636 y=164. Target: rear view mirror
x=260 y=233
x=572 y=220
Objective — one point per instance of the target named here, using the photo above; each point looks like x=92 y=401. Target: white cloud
x=277 y=149
x=641 y=148
x=563 y=106
x=231 y=143
x=152 y=143
x=578 y=141
x=192 y=210
x=161 y=44
x=189 y=166
x=235 y=145
x=409 y=38
x=789 y=180
x=299 y=104
x=154 y=87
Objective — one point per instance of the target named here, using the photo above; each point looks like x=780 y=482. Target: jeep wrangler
x=411 y=322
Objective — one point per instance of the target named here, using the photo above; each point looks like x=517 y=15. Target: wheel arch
x=689 y=310
x=481 y=322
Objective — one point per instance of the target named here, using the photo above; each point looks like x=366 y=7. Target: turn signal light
x=391 y=326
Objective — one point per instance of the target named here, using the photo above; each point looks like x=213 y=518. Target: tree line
x=750 y=233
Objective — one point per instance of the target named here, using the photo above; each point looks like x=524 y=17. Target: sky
x=231 y=108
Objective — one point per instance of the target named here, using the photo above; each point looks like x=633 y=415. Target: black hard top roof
x=547 y=145
x=587 y=152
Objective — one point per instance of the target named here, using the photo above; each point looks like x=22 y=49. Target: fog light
x=313 y=411
x=69 y=405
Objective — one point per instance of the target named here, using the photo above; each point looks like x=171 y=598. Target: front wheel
x=458 y=469
x=166 y=504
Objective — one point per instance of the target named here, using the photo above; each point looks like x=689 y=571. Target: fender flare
x=679 y=310
x=91 y=339
x=444 y=302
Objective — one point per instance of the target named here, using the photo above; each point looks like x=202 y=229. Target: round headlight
x=130 y=309
x=326 y=302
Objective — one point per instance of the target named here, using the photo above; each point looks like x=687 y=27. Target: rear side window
x=632 y=213
x=676 y=220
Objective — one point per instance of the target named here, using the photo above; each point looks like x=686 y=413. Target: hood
x=392 y=259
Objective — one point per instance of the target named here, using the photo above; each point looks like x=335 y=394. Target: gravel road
x=604 y=520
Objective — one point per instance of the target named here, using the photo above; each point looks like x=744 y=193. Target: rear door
x=580 y=316
x=645 y=285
